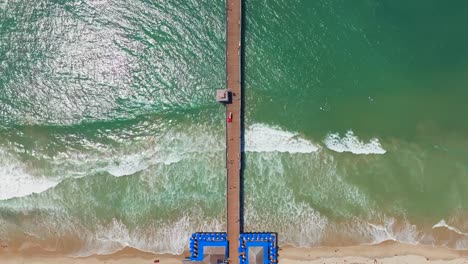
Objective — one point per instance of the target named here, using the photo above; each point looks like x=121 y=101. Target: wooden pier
x=234 y=127
x=235 y=243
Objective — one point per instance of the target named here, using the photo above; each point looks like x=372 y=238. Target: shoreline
x=389 y=252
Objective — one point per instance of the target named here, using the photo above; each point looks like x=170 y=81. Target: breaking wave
x=263 y=138
x=118 y=159
x=173 y=155
x=351 y=143
x=391 y=231
x=17 y=181
x=164 y=238
x=167 y=148
x=443 y=224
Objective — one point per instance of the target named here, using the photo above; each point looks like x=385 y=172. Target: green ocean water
x=110 y=136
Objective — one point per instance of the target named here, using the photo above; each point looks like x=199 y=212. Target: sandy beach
x=388 y=253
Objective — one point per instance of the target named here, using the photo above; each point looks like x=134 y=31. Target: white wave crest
x=391 y=231
x=168 y=148
x=351 y=143
x=443 y=224
x=17 y=182
x=129 y=164
x=263 y=138
x=124 y=159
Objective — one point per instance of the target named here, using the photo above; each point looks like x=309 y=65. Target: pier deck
x=233 y=128
x=266 y=242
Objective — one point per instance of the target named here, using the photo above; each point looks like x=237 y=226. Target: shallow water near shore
x=110 y=136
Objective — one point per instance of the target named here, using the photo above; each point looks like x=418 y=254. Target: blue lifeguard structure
x=266 y=243
x=200 y=243
x=212 y=248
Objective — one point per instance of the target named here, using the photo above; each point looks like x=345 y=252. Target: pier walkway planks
x=234 y=128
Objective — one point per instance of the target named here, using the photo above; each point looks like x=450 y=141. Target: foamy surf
x=19 y=185
x=351 y=143
x=130 y=164
x=157 y=238
x=263 y=138
x=443 y=224
x=166 y=148
x=17 y=182
x=390 y=230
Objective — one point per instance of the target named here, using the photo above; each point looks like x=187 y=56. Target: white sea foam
x=263 y=138
x=280 y=179
x=169 y=148
x=443 y=224
x=127 y=166
x=351 y=143
x=389 y=230
x=17 y=182
x=126 y=159
x=158 y=238
x=130 y=164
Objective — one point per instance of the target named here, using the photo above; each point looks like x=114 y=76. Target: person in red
x=229 y=119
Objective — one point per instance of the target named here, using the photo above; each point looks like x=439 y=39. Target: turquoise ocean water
x=110 y=137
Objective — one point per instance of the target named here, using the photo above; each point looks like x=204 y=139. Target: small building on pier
x=223 y=96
